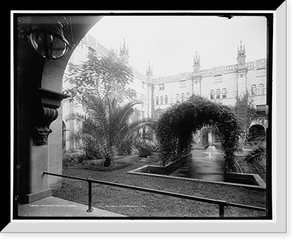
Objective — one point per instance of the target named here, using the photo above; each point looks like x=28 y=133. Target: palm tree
x=256 y=154
x=141 y=137
x=107 y=124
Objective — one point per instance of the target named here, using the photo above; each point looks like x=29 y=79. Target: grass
x=143 y=205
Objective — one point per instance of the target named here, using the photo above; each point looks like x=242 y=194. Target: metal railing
x=221 y=203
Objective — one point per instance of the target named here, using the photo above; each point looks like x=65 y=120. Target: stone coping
x=144 y=170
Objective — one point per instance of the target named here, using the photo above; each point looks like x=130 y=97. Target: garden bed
x=119 y=162
x=258 y=167
x=161 y=170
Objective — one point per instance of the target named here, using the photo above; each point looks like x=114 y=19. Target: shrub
x=72 y=157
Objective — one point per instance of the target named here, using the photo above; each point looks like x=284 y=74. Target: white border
x=279 y=168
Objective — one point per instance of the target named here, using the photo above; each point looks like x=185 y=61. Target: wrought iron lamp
x=48 y=39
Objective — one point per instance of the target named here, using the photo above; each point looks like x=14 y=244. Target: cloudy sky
x=170 y=42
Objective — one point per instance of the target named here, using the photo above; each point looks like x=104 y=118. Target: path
x=203 y=165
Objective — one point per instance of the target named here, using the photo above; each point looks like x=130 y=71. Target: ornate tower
x=149 y=72
x=196 y=80
x=150 y=90
x=241 y=56
x=124 y=53
x=196 y=65
x=241 y=70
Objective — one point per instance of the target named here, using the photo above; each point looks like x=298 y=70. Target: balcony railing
x=221 y=203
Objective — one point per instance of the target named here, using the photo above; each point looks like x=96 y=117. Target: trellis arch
x=175 y=128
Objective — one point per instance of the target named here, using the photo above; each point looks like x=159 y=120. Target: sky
x=169 y=43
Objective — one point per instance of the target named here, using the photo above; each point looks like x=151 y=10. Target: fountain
x=210 y=149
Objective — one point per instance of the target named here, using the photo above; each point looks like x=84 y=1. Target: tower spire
x=241 y=50
x=124 y=52
x=241 y=55
x=196 y=63
x=149 y=71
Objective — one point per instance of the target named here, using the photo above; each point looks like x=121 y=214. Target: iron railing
x=221 y=203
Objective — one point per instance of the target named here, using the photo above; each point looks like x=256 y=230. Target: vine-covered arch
x=175 y=128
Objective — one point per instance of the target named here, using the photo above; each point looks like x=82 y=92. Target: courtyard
x=61 y=72
x=142 y=204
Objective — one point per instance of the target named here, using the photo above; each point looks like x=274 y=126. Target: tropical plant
x=106 y=125
x=245 y=113
x=256 y=154
x=140 y=138
x=105 y=76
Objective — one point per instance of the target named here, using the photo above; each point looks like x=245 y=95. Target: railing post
x=221 y=210
x=90 y=209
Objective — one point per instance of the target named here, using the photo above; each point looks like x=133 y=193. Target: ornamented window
x=156 y=100
x=182 y=97
x=187 y=96
x=161 y=100
x=253 y=90
x=218 y=93
x=260 y=89
x=261 y=108
x=166 y=99
x=177 y=98
x=182 y=84
x=212 y=94
x=161 y=87
x=224 y=93
x=218 y=78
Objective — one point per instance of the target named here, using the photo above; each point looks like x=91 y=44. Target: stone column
x=44 y=112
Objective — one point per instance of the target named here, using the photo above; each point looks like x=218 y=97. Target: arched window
x=212 y=94
x=166 y=99
x=177 y=98
x=218 y=93
x=253 y=90
x=182 y=97
x=224 y=93
x=260 y=89
x=187 y=96
x=161 y=100
x=156 y=100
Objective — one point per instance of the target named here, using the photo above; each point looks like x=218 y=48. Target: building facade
x=139 y=84
x=220 y=84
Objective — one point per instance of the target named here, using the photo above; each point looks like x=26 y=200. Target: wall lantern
x=47 y=38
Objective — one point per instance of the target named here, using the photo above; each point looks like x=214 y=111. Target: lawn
x=141 y=204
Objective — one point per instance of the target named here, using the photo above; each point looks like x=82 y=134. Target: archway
x=257 y=133
x=37 y=98
x=175 y=128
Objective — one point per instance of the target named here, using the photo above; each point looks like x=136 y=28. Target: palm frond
x=255 y=155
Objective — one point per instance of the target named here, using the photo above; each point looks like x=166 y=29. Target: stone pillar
x=44 y=112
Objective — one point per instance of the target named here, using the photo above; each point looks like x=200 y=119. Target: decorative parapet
x=260 y=63
x=220 y=70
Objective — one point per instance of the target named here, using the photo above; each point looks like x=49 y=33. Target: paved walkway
x=205 y=164
x=57 y=207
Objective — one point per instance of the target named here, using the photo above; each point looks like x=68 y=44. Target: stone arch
x=256 y=132
x=263 y=121
x=177 y=125
x=38 y=85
